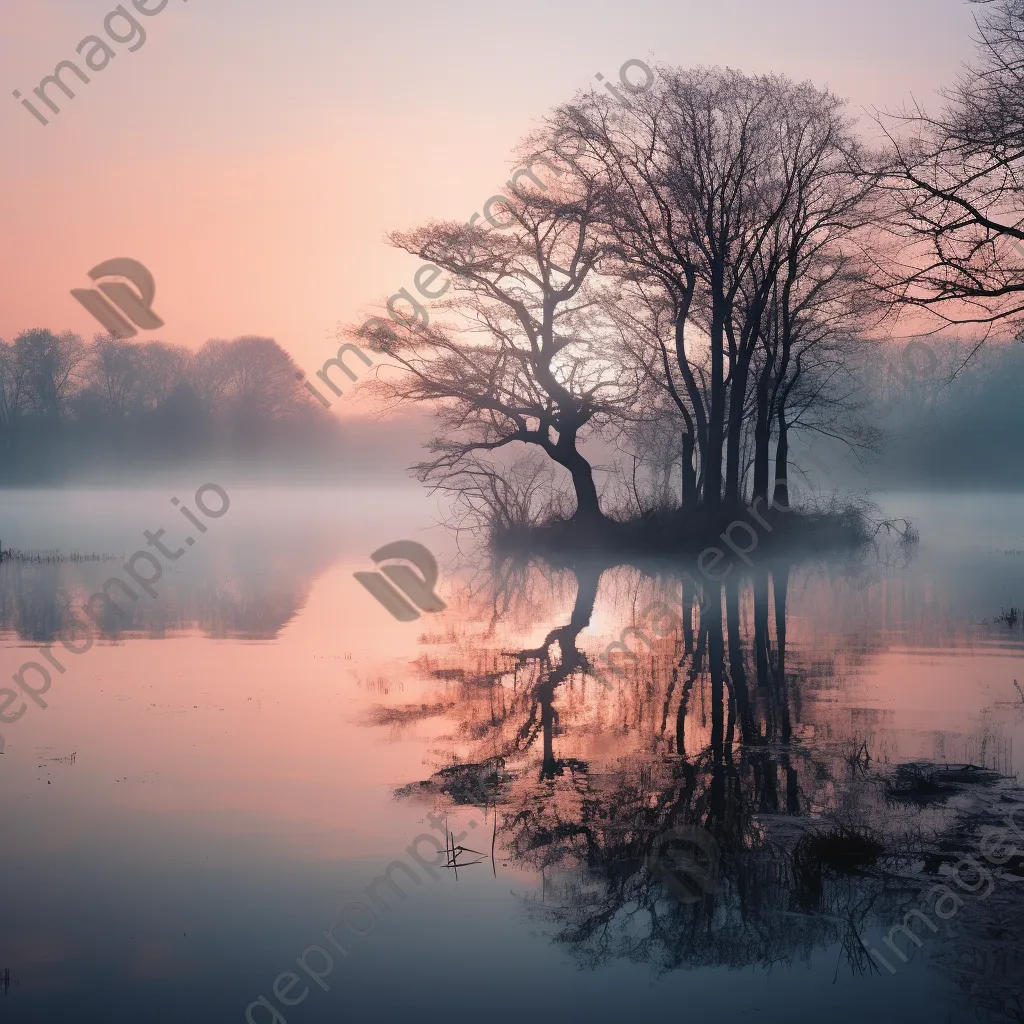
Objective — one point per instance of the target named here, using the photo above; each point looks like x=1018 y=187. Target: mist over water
x=217 y=777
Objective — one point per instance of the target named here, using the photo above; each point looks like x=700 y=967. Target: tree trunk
x=716 y=419
x=689 y=472
x=762 y=442
x=588 y=508
x=697 y=424
x=735 y=434
x=566 y=454
x=733 y=469
x=781 y=499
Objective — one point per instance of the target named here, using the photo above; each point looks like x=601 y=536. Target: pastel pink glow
x=253 y=156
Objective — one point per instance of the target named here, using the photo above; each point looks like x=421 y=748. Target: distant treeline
x=68 y=407
x=960 y=426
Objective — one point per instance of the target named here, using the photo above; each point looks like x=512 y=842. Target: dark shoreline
x=771 y=532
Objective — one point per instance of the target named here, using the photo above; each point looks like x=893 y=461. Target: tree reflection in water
x=703 y=728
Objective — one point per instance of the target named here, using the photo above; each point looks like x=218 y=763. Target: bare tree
x=210 y=373
x=526 y=357
x=13 y=387
x=956 y=184
x=262 y=383
x=722 y=189
x=51 y=364
x=164 y=368
x=821 y=305
x=115 y=374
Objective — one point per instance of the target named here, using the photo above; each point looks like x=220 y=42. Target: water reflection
x=773 y=714
x=248 y=586
x=737 y=721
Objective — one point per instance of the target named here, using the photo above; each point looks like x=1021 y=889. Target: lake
x=203 y=821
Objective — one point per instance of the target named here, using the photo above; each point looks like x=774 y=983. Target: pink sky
x=253 y=154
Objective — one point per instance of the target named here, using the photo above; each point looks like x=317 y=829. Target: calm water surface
x=223 y=775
